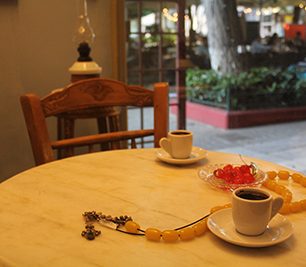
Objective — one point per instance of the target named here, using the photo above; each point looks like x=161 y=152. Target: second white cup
x=253 y=208
x=178 y=144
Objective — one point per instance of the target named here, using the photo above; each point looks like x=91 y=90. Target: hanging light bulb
x=83 y=39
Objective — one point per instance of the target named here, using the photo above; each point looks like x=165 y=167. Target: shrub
x=255 y=89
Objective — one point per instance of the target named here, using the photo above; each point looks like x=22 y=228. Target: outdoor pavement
x=283 y=143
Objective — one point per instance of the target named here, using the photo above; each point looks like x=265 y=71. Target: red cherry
x=219 y=173
x=236 y=172
x=228 y=167
x=235 y=175
x=238 y=180
x=248 y=178
x=245 y=169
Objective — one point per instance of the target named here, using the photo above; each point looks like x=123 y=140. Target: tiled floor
x=284 y=143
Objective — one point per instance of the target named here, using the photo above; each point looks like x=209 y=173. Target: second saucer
x=197 y=154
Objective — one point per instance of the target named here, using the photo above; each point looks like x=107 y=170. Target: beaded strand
x=289 y=206
x=190 y=232
x=198 y=227
x=184 y=233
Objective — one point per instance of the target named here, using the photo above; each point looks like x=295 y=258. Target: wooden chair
x=107 y=121
x=87 y=95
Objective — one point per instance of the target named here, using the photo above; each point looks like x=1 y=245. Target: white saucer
x=221 y=224
x=197 y=154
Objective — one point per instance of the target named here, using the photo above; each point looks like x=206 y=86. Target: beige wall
x=36 y=51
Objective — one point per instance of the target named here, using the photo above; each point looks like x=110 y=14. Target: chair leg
x=133 y=143
x=114 y=123
x=60 y=126
x=90 y=148
x=68 y=133
x=65 y=129
x=114 y=127
x=109 y=124
x=103 y=128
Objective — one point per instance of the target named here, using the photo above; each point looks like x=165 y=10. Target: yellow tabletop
x=41 y=214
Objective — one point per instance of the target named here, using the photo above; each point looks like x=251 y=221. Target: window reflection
x=132 y=13
x=150 y=51
x=169 y=51
x=150 y=16
x=133 y=47
x=169 y=17
x=150 y=77
x=152 y=41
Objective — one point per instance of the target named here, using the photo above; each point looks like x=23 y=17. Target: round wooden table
x=41 y=214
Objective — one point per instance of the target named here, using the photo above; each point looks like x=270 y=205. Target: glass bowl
x=207 y=174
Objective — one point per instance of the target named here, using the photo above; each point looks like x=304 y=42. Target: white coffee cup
x=178 y=144
x=252 y=210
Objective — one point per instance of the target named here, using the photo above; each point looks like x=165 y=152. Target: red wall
x=292 y=29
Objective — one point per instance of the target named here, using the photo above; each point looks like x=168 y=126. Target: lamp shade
x=83 y=32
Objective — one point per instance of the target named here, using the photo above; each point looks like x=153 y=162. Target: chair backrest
x=85 y=95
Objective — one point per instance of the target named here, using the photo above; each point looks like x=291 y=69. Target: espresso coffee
x=180 y=133
x=252 y=195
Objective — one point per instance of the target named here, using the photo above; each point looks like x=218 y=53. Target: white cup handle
x=276 y=206
x=165 y=144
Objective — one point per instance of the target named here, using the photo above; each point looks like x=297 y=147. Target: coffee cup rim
x=180 y=131
x=252 y=189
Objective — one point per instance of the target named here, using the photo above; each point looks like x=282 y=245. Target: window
x=155 y=46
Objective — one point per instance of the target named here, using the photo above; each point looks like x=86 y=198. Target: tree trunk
x=224 y=34
x=296 y=15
